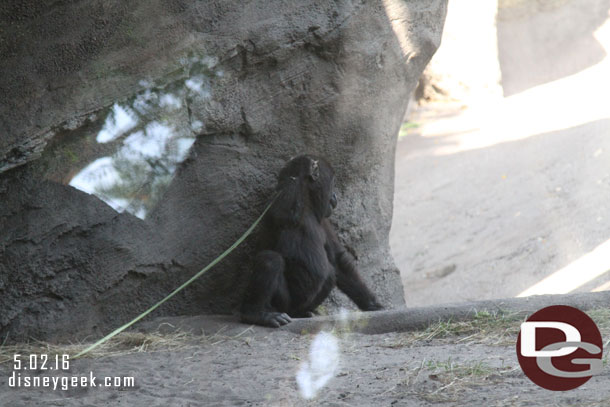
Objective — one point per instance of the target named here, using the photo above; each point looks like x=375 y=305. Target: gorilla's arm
x=349 y=281
x=348 y=278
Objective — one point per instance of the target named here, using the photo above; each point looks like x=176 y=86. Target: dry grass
x=489 y=328
x=601 y=317
x=449 y=380
x=456 y=378
x=497 y=328
x=122 y=344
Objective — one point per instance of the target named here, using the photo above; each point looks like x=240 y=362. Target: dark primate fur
x=302 y=258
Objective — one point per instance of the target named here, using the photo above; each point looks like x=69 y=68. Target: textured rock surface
x=257 y=83
x=540 y=42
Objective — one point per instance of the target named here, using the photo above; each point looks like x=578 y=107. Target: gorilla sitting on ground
x=302 y=258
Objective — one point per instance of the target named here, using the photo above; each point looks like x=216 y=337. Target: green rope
x=195 y=277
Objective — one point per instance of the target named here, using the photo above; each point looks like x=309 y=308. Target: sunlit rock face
x=138 y=141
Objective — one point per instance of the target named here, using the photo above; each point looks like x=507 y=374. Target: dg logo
x=559 y=348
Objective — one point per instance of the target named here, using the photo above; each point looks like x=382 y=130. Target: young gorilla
x=303 y=259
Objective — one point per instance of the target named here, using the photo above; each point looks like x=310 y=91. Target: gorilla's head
x=305 y=182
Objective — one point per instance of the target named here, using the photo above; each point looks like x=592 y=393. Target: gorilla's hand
x=265 y=318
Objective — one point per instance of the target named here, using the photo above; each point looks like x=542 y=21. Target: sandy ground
x=503 y=196
x=491 y=222
x=457 y=364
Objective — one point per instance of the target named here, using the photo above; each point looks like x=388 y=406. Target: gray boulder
x=140 y=139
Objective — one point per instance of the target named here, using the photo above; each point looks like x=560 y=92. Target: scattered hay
x=454 y=379
x=122 y=344
x=449 y=381
x=496 y=328
x=601 y=316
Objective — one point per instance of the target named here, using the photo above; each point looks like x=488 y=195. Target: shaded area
x=175 y=163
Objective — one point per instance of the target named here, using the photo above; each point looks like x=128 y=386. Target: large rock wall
x=187 y=111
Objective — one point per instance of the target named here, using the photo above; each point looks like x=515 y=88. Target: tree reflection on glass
x=152 y=134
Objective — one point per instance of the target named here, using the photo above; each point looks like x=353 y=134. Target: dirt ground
x=446 y=364
x=491 y=222
x=495 y=194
